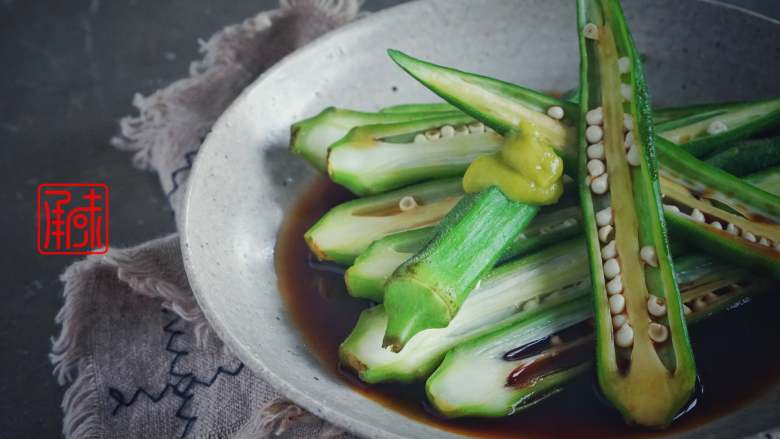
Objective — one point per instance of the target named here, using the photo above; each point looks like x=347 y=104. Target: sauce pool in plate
x=736 y=352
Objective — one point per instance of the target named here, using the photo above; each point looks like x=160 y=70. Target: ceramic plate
x=245 y=179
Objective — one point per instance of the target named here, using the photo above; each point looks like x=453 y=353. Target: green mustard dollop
x=526 y=169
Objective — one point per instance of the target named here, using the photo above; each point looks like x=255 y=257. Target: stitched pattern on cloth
x=182 y=385
x=189 y=160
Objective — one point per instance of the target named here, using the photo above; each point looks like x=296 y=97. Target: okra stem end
x=411 y=308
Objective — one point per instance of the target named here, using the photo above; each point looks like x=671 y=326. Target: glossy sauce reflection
x=736 y=353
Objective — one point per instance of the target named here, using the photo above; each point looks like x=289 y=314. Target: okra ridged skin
x=347 y=229
x=647 y=378
x=431 y=107
x=310 y=138
x=501 y=298
x=427 y=290
x=473 y=378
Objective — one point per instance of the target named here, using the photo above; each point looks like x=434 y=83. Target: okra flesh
x=647 y=381
x=538 y=280
x=506 y=371
x=347 y=229
x=376 y=158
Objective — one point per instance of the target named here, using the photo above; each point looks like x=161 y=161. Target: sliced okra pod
x=346 y=230
x=310 y=138
x=375 y=158
x=537 y=280
x=648 y=379
x=767 y=180
x=513 y=368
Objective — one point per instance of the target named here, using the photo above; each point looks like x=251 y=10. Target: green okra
x=427 y=290
x=720 y=193
x=747 y=156
x=376 y=158
x=644 y=361
x=347 y=229
x=310 y=138
x=513 y=368
x=536 y=280
x=367 y=277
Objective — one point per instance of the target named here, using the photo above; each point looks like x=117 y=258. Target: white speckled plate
x=244 y=178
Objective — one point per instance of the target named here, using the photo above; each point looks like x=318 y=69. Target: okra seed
x=618 y=321
x=447 y=131
x=625 y=91
x=605 y=233
x=595 y=116
x=764 y=242
x=624 y=65
x=697 y=215
x=600 y=184
x=476 y=127
x=777 y=246
x=749 y=236
x=433 y=134
x=717 y=225
x=687 y=310
x=419 y=138
x=717 y=127
x=615 y=286
x=647 y=253
x=594 y=134
x=555 y=112
x=628 y=122
x=407 y=203
x=624 y=337
x=591 y=31
x=671 y=208
x=731 y=228
x=596 y=151
x=609 y=251
x=656 y=306
x=710 y=297
x=604 y=217
x=632 y=156
x=658 y=332
x=617 y=304
x=556 y=340
x=611 y=268
x=596 y=167
x=461 y=130
x=629 y=139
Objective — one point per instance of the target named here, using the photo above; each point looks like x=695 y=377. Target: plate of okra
x=538 y=218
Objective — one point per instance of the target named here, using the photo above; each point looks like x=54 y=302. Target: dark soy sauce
x=736 y=352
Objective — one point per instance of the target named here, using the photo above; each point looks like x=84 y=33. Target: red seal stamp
x=72 y=218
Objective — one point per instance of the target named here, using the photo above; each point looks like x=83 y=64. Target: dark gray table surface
x=68 y=72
